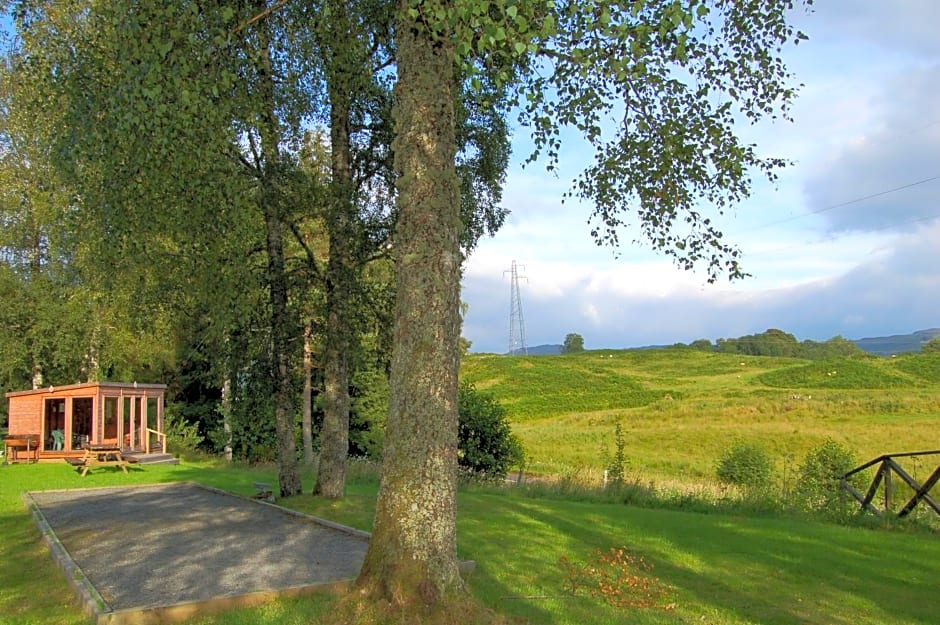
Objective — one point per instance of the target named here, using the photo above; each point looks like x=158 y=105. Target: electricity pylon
x=516 y=322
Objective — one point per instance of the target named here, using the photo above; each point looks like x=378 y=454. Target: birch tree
x=656 y=87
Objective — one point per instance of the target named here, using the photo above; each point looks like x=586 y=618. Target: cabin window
x=110 y=418
x=132 y=421
x=81 y=420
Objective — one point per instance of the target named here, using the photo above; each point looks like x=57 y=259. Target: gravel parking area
x=156 y=553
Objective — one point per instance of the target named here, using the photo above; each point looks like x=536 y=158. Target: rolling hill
x=681 y=408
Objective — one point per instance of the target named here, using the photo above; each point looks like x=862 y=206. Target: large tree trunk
x=413 y=552
x=340 y=271
x=281 y=325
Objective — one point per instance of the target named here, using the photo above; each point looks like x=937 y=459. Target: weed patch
x=619 y=578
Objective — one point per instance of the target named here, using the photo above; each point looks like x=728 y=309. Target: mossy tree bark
x=413 y=552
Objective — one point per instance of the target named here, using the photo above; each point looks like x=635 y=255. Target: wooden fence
x=884 y=476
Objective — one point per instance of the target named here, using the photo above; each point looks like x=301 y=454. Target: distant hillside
x=543 y=350
x=898 y=343
x=880 y=345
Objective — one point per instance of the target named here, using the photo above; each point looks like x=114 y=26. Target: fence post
x=889 y=486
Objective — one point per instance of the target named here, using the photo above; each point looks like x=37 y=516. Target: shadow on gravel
x=170 y=550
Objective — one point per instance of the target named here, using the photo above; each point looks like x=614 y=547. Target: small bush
x=746 y=465
x=181 y=436
x=820 y=488
x=485 y=444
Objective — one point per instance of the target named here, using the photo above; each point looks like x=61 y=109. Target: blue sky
x=867 y=123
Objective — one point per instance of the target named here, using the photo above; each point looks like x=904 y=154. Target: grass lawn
x=714 y=568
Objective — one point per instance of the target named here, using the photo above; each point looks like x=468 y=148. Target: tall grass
x=697 y=403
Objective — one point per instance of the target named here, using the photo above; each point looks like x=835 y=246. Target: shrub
x=617 y=465
x=486 y=446
x=181 y=436
x=746 y=465
x=821 y=474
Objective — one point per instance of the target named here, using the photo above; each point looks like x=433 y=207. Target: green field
x=680 y=408
x=706 y=568
x=712 y=562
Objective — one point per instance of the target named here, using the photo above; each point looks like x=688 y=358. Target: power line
x=834 y=237
x=846 y=203
x=879 y=194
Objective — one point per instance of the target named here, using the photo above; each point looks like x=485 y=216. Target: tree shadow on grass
x=759 y=570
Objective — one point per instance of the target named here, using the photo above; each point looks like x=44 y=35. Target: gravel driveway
x=141 y=550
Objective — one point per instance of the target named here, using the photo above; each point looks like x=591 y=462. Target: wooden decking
x=138 y=457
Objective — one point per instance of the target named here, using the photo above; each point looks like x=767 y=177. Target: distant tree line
x=931 y=347
x=775 y=342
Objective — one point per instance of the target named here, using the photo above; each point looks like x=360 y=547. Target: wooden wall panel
x=25 y=415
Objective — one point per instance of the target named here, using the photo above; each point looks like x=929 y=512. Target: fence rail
x=883 y=477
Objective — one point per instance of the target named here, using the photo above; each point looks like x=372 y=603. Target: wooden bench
x=99 y=457
x=78 y=463
x=21 y=442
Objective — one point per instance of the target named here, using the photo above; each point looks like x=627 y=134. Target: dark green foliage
x=770 y=343
x=703 y=345
x=835 y=347
x=747 y=465
x=819 y=486
x=573 y=343
x=192 y=387
x=181 y=434
x=486 y=445
x=779 y=343
x=367 y=414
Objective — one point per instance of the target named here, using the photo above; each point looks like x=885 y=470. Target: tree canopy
x=775 y=342
x=177 y=130
x=573 y=343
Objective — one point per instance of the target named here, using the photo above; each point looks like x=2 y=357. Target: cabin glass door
x=54 y=427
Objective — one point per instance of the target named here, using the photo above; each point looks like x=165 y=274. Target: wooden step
x=153 y=458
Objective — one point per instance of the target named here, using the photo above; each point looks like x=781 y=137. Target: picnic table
x=99 y=456
x=16 y=443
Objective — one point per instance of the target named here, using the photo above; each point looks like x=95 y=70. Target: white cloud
x=900 y=26
x=905 y=150
x=868 y=120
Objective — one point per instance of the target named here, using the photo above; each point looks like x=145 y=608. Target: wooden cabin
x=60 y=420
